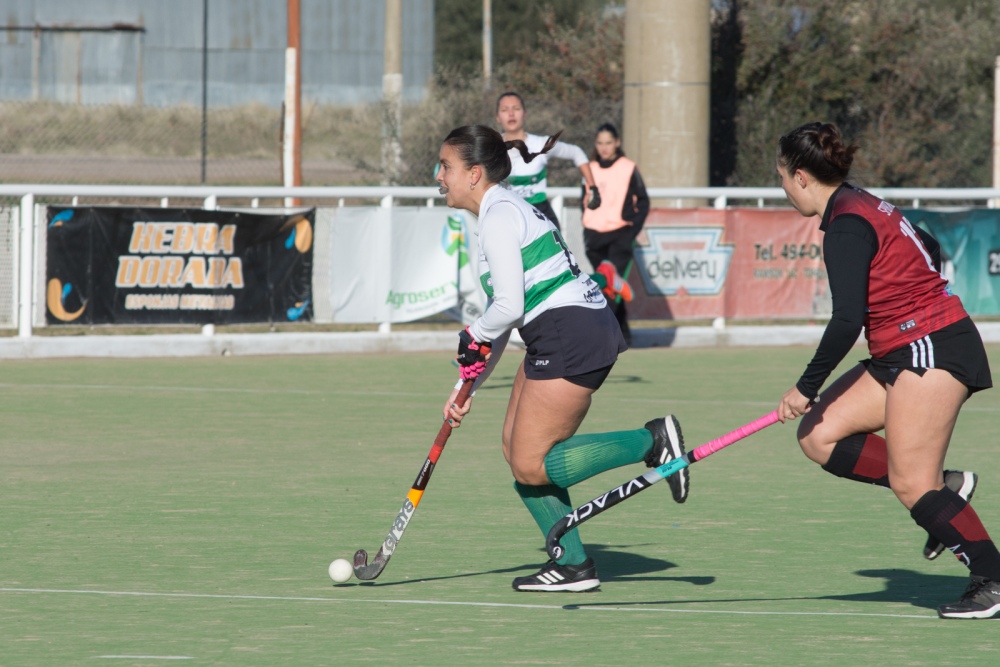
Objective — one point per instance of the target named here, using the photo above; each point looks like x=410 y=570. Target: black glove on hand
x=471 y=355
x=469 y=351
x=595 y=198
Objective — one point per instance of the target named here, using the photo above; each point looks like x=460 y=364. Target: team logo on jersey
x=684 y=260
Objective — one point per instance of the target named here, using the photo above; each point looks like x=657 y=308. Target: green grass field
x=186 y=511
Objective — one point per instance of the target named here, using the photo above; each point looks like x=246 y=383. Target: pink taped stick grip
x=713 y=446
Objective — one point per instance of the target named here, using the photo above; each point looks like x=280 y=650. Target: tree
x=909 y=80
x=458 y=29
x=571 y=75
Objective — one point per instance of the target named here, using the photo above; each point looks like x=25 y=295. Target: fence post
x=26 y=265
x=386 y=202
x=558 y=204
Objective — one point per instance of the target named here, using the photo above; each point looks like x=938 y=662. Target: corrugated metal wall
x=75 y=58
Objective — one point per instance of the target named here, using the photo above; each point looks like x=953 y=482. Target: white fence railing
x=27 y=227
x=248 y=195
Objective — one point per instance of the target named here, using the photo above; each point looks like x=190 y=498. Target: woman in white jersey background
x=572 y=342
x=527 y=179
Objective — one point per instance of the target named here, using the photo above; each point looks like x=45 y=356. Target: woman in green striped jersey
x=529 y=180
x=572 y=341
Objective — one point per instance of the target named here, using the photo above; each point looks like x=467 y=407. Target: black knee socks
x=861 y=457
x=948 y=517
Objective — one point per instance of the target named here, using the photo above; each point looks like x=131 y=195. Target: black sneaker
x=980 y=600
x=555 y=578
x=668 y=444
x=964 y=484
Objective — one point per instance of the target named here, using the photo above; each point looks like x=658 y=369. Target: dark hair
x=818 y=149
x=613 y=131
x=511 y=93
x=478 y=144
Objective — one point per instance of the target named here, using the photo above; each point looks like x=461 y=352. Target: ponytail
x=484 y=146
x=522 y=148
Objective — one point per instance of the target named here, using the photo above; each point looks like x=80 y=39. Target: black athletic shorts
x=957 y=348
x=576 y=343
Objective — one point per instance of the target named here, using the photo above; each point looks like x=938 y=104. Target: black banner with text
x=119 y=265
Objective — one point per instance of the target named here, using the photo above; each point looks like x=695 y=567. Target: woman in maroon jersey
x=927 y=358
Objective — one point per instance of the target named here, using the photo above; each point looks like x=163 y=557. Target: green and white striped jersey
x=525 y=266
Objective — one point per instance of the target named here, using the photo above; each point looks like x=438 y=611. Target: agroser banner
x=119 y=265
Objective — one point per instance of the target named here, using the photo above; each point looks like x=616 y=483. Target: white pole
x=27 y=266
x=386 y=202
x=995 y=203
x=288 y=140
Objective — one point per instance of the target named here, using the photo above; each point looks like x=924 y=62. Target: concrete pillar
x=667 y=105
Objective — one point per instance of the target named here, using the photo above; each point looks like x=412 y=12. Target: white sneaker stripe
x=550 y=577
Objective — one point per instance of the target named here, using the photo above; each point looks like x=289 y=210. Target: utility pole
x=996 y=131
x=392 y=93
x=291 y=142
x=204 y=90
x=487 y=42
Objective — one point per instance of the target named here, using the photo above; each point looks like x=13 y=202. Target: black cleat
x=964 y=484
x=980 y=600
x=554 y=578
x=668 y=444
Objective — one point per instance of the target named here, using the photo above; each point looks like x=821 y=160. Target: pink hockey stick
x=644 y=481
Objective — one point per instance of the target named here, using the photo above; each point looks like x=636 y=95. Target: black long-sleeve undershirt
x=848 y=248
x=849 y=245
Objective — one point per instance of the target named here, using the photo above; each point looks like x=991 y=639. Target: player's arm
x=572 y=152
x=500 y=243
x=849 y=246
x=636 y=206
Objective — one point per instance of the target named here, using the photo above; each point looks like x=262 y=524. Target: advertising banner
x=734 y=263
x=402 y=264
x=119 y=265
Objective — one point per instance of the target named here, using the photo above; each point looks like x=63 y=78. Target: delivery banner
x=735 y=263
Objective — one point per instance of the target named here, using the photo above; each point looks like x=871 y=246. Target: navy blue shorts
x=572 y=342
x=957 y=348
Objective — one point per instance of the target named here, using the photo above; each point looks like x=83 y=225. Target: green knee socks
x=574 y=460
x=547 y=505
x=583 y=456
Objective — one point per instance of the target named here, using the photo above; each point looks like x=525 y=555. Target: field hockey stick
x=642 y=482
x=362 y=569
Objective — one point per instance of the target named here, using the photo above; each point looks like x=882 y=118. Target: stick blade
x=364 y=571
x=556 y=532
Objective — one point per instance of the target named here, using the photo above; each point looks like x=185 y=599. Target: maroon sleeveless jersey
x=907 y=298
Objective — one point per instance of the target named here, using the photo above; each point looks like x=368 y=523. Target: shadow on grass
x=919 y=589
x=612 y=566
